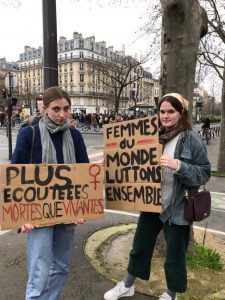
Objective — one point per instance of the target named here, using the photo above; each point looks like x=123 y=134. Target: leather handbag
x=197 y=206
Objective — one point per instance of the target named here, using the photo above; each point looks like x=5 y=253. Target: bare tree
x=212 y=56
x=117 y=73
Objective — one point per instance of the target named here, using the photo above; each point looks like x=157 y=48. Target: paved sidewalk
x=215 y=184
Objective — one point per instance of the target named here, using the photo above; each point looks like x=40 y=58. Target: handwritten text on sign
x=50 y=194
x=132 y=169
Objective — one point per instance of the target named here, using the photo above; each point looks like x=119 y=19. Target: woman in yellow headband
x=185 y=165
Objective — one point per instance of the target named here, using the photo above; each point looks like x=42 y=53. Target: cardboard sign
x=49 y=194
x=132 y=169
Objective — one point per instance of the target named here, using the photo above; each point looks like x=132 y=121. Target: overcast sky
x=117 y=25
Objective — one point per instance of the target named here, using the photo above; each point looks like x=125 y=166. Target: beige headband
x=180 y=98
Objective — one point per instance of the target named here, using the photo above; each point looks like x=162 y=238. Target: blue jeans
x=49 y=252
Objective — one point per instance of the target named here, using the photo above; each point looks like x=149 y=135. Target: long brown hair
x=178 y=107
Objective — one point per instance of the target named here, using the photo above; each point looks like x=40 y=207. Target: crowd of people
x=185 y=166
x=101 y=118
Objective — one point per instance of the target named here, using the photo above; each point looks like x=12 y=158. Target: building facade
x=77 y=75
x=6 y=67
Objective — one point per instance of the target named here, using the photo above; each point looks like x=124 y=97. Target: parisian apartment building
x=77 y=75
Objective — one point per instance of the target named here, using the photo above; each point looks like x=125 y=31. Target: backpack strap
x=30 y=120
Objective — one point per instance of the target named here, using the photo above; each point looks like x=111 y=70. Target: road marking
x=95 y=156
x=137 y=215
x=3 y=231
x=210 y=230
x=216 y=193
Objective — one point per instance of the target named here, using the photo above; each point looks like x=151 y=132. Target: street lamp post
x=133 y=97
x=96 y=96
x=10 y=83
x=198 y=109
x=50 y=61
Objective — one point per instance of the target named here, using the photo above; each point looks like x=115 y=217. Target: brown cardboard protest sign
x=132 y=165
x=127 y=134
x=134 y=196
x=49 y=194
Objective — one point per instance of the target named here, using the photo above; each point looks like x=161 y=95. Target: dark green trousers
x=177 y=239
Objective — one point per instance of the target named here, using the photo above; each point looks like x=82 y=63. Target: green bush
x=204 y=258
x=218 y=174
x=214 y=119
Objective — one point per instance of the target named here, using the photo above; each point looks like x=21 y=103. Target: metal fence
x=208 y=134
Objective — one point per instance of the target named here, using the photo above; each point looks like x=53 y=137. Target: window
x=81 y=89
x=81 y=54
x=72 y=44
x=81 y=44
x=81 y=66
x=71 y=67
x=71 y=77
x=66 y=46
x=82 y=77
x=65 y=68
x=71 y=55
x=61 y=47
x=60 y=68
x=66 y=56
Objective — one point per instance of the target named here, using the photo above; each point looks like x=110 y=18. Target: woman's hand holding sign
x=80 y=221
x=168 y=161
x=27 y=228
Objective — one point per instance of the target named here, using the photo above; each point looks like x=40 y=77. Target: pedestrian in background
x=2 y=118
x=185 y=165
x=206 y=124
x=49 y=248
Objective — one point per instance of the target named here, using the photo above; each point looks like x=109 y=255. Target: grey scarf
x=48 y=149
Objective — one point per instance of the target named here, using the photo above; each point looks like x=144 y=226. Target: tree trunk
x=117 y=103
x=184 y=24
x=221 y=160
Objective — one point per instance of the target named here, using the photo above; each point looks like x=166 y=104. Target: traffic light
x=3 y=93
